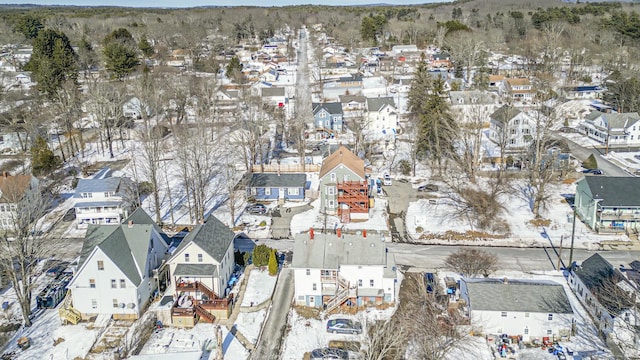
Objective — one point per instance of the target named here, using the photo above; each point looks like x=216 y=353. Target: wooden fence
x=285 y=168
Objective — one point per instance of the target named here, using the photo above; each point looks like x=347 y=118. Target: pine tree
x=273 y=263
x=53 y=61
x=120 y=52
x=43 y=161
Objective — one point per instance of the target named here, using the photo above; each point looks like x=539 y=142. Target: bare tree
x=472 y=262
x=468 y=154
x=25 y=244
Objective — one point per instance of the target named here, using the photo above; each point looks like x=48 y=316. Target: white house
x=382 y=115
x=99 y=201
x=519 y=89
x=116 y=269
x=335 y=269
x=511 y=127
x=13 y=189
x=612 y=128
x=472 y=105
x=134 y=109
x=532 y=309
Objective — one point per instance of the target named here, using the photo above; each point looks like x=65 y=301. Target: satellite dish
x=131 y=305
x=122 y=305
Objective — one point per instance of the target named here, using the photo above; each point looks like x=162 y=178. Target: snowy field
x=259 y=288
x=250 y=323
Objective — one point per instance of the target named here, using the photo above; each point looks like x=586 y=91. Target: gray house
x=609 y=204
x=327 y=116
x=264 y=186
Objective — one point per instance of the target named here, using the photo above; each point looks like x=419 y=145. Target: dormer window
x=87 y=195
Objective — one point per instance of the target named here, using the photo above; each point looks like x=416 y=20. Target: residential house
x=609 y=204
x=519 y=89
x=605 y=293
x=353 y=105
x=495 y=81
x=382 y=115
x=511 y=127
x=344 y=189
x=274 y=95
x=533 y=309
x=100 y=201
x=227 y=100
x=472 y=105
x=441 y=60
x=581 y=92
x=332 y=270
x=328 y=116
x=271 y=75
x=13 y=190
x=401 y=49
x=119 y=268
x=283 y=187
x=200 y=269
x=612 y=128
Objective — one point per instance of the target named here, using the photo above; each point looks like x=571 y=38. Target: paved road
x=269 y=344
x=582 y=153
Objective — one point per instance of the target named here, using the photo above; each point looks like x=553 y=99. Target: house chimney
x=130 y=224
x=364 y=233
x=339 y=233
x=311 y=233
x=505 y=280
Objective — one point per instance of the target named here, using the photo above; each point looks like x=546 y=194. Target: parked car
x=428 y=188
x=344 y=326
x=256 y=209
x=329 y=353
x=593 y=171
x=386 y=180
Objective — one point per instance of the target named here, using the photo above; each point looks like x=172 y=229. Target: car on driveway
x=257 y=209
x=386 y=180
x=344 y=326
x=329 y=353
x=593 y=171
x=428 y=188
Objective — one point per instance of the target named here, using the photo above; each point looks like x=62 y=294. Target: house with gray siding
x=271 y=186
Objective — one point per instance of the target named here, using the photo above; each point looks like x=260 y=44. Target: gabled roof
x=471 y=97
x=213 y=237
x=13 y=187
x=332 y=108
x=345 y=157
x=521 y=296
x=125 y=245
x=518 y=82
x=352 y=98
x=614 y=191
x=615 y=120
x=110 y=184
x=594 y=271
x=378 y=103
x=259 y=180
x=505 y=113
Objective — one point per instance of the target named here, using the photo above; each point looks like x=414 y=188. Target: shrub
x=405 y=167
x=590 y=163
x=273 y=263
x=261 y=255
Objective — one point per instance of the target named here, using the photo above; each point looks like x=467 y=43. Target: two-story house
x=473 y=105
x=332 y=270
x=612 y=128
x=519 y=89
x=511 y=128
x=382 y=115
x=118 y=270
x=273 y=96
x=608 y=203
x=344 y=189
x=13 y=190
x=200 y=269
x=328 y=116
x=99 y=201
x=533 y=309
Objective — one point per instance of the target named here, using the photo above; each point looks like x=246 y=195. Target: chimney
x=364 y=233
x=311 y=234
x=505 y=280
x=130 y=224
x=339 y=233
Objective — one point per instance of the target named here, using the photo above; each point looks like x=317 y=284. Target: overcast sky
x=194 y=3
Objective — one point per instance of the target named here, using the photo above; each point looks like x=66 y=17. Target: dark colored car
x=329 y=353
x=429 y=282
x=256 y=209
x=428 y=188
x=593 y=171
x=344 y=326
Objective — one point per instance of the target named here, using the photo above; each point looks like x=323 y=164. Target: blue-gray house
x=328 y=116
x=277 y=186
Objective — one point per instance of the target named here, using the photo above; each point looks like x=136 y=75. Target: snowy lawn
x=176 y=340
x=250 y=323
x=259 y=288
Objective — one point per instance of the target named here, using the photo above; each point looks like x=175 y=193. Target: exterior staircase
x=67 y=313
x=342 y=294
x=205 y=290
x=204 y=314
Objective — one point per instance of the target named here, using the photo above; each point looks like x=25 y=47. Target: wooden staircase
x=204 y=314
x=67 y=313
x=341 y=296
x=205 y=290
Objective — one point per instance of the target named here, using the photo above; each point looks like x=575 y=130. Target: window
x=87 y=195
x=123 y=283
x=330 y=204
x=526 y=315
x=186 y=257
x=94 y=303
x=331 y=190
x=113 y=283
x=293 y=191
x=200 y=258
x=514 y=131
x=549 y=332
x=371 y=282
x=315 y=287
x=550 y=317
x=526 y=331
x=333 y=177
x=359 y=282
x=504 y=314
x=115 y=303
x=308 y=272
x=92 y=283
x=254 y=191
x=267 y=191
x=100 y=265
x=512 y=141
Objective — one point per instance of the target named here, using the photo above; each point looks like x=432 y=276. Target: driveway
x=582 y=153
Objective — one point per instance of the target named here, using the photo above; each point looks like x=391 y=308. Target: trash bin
x=5 y=305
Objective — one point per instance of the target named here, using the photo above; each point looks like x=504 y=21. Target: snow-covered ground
x=259 y=287
x=250 y=323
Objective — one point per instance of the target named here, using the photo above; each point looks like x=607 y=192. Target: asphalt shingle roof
x=594 y=271
x=536 y=297
x=375 y=104
x=505 y=113
x=109 y=184
x=615 y=191
x=332 y=108
x=195 y=270
x=345 y=157
x=275 y=180
x=213 y=237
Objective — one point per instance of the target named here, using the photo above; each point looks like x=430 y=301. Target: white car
x=386 y=180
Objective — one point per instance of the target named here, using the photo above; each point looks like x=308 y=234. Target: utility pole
x=573 y=236
x=560 y=253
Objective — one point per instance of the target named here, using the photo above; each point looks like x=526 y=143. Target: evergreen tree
x=234 y=70
x=43 y=161
x=29 y=26
x=120 y=52
x=53 y=61
x=145 y=46
x=273 y=263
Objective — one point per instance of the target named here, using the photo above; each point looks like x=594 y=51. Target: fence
x=285 y=168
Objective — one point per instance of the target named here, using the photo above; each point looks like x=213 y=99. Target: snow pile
x=250 y=323
x=259 y=288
